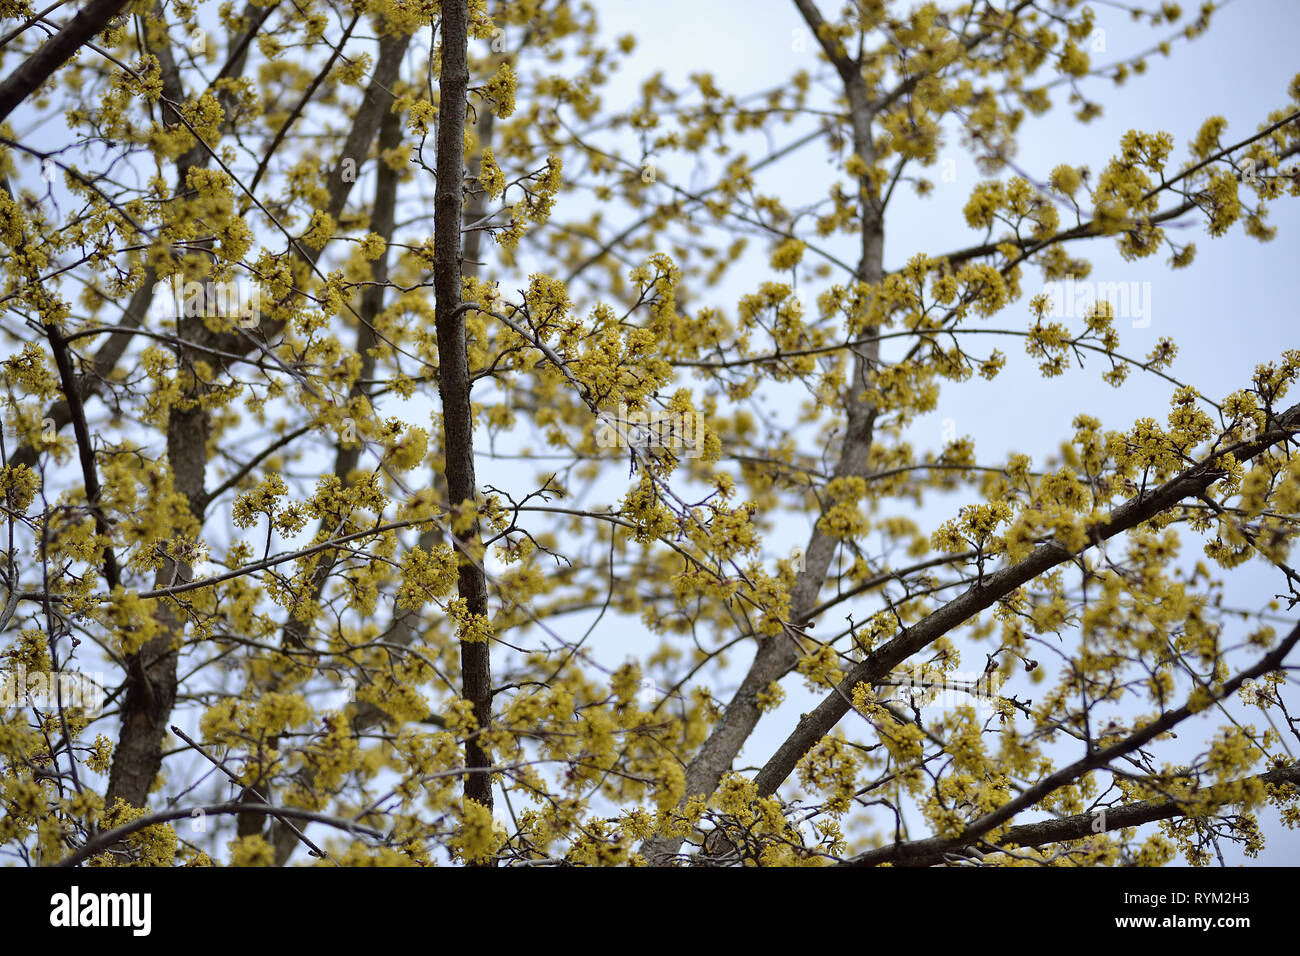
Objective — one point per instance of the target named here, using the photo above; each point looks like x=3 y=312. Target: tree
x=257 y=246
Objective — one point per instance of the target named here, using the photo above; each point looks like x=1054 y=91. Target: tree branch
x=107 y=839
x=992 y=588
x=40 y=66
x=454 y=380
x=928 y=852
